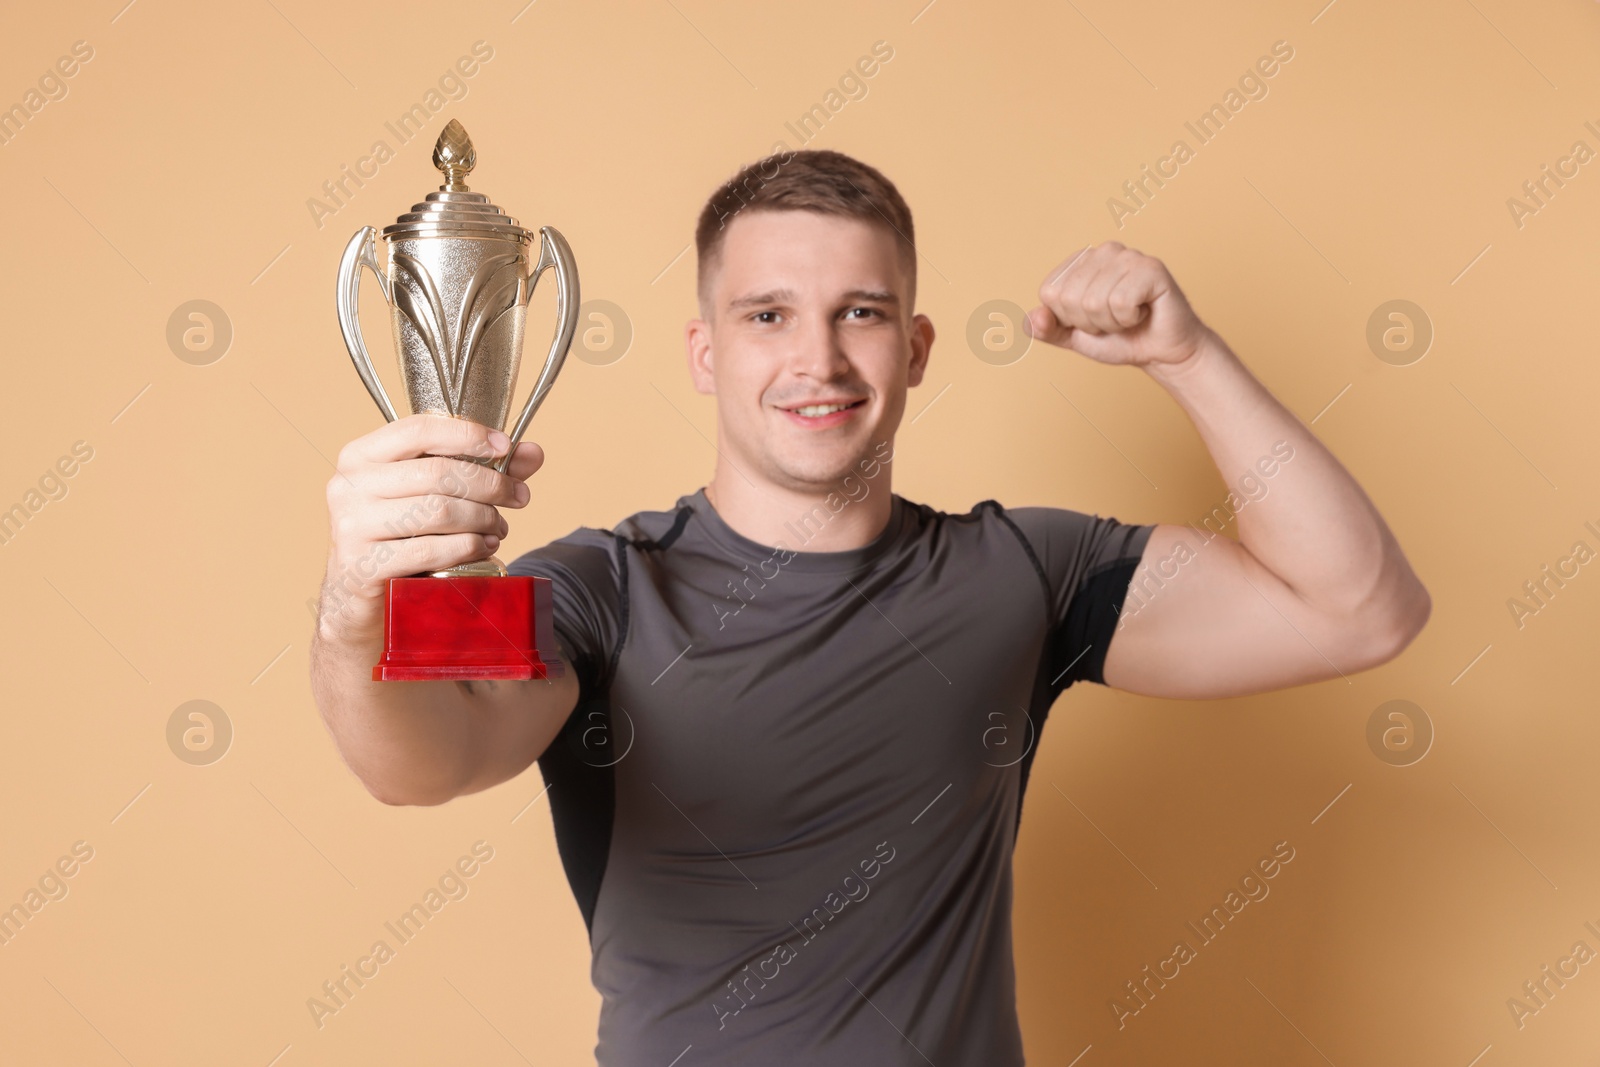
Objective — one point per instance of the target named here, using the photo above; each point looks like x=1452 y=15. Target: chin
x=821 y=473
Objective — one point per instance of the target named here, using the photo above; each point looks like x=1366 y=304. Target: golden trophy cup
x=459 y=278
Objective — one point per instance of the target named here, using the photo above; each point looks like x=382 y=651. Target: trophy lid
x=455 y=211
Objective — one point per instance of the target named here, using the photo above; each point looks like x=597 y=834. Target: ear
x=921 y=344
x=697 y=347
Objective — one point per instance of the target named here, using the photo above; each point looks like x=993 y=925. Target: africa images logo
x=770 y=966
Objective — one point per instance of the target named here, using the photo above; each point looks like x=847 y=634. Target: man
x=787 y=759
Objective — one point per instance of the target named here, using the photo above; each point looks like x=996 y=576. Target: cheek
x=742 y=384
x=885 y=363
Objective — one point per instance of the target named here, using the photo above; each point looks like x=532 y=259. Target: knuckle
x=505 y=486
x=461 y=479
x=343 y=527
x=475 y=480
x=423 y=430
x=477 y=435
x=412 y=521
x=427 y=553
x=408 y=556
x=436 y=469
x=436 y=510
x=410 y=428
x=457 y=548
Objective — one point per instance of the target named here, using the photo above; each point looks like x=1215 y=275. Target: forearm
x=408 y=742
x=402 y=503
x=1314 y=528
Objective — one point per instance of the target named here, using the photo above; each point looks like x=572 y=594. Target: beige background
x=180 y=563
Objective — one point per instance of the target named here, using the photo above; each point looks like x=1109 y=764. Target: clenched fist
x=1117 y=305
x=403 y=502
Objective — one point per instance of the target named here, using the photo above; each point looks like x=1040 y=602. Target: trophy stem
x=482 y=568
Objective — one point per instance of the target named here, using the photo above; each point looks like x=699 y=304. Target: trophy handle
x=553 y=252
x=361 y=252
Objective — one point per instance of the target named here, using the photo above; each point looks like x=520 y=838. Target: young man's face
x=805 y=309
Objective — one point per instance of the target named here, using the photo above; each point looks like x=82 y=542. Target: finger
x=419 y=555
x=1059 y=289
x=1096 y=296
x=1055 y=276
x=389 y=520
x=1129 y=300
x=425 y=434
x=1067 y=298
x=442 y=475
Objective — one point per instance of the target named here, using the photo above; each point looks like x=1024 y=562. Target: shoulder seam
x=665 y=541
x=623 y=543
x=622 y=609
x=678 y=524
x=1033 y=557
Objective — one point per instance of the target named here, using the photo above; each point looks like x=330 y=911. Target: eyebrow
x=778 y=296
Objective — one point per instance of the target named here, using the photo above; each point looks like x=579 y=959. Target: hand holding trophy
x=458 y=284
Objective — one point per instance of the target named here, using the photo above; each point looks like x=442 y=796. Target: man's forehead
x=758 y=296
x=758 y=223
x=779 y=254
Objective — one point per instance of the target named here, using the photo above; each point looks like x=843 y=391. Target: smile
x=822 y=409
x=821 y=415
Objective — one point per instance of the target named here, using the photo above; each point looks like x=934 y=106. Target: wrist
x=340 y=635
x=349 y=616
x=1209 y=351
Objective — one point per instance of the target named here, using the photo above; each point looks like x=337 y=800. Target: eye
x=869 y=311
x=758 y=316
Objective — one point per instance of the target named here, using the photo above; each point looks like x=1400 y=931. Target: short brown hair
x=820 y=180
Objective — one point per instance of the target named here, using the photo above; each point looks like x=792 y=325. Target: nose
x=818 y=351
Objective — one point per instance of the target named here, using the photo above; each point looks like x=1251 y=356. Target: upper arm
x=1085 y=563
x=1203 y=619
x=514 y=722
x=517 y=721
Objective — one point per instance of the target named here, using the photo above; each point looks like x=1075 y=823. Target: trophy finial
x=454 y=155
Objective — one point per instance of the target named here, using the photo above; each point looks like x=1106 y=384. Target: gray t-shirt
x=788 y=796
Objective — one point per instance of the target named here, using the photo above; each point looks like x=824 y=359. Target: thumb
x=1043 y=325
x=529 y=458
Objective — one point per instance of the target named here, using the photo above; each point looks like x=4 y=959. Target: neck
x=830 y=518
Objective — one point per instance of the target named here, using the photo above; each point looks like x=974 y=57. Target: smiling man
x=787 y=761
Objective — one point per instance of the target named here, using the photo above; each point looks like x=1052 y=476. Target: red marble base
x=453 y=629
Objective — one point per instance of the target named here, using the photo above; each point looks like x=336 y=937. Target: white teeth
x=814 y=410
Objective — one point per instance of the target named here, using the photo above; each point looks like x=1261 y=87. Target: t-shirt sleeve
x=586 y=602
x=1088 y=562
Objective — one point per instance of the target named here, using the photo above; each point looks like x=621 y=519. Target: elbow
x=402 y=797
x=409 y=783
x=1388 y=629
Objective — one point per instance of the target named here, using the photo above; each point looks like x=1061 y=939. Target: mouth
x=819 y=415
